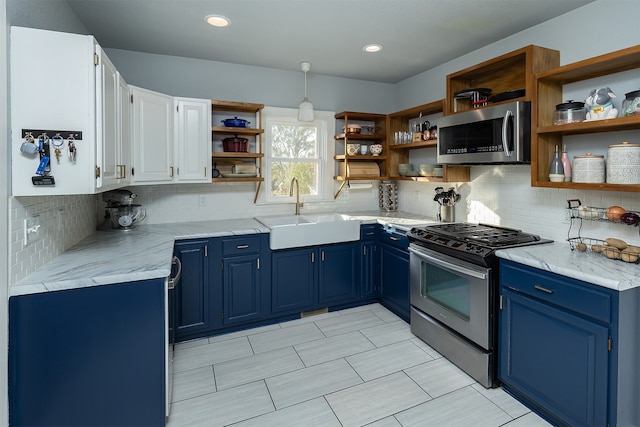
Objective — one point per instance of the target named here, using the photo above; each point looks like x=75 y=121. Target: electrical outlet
x=566 y=218
x=202 y=200
x=31 y=229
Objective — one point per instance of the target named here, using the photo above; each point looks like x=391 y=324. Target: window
x=300 y=150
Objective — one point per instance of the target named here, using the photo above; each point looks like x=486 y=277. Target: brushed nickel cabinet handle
x=242 y=246
x=543 y=289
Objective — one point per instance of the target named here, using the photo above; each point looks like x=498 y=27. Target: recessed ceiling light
x=372 y=48
x=217 y=20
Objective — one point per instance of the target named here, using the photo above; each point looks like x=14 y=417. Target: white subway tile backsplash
x=78 y=217
x=502 y=195
x=496 y=195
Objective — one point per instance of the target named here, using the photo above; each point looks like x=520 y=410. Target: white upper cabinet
x=124 y=129
x=193 y=140
x=80 y=93
x=107 y=112
x=53 y=89
x=152 y=123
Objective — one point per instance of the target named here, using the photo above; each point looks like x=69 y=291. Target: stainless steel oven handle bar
x=505 y=127
x=448 y=265
x=171 y=281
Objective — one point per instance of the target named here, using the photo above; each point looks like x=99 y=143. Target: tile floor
x=355 y=367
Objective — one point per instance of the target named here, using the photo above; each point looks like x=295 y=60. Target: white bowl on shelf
x=555 y=177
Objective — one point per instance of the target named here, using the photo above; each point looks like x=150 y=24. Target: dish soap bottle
x=556 y=168
x=566 y=164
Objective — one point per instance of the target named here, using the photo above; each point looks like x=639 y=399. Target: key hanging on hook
x=58 y=142
x=72 y=148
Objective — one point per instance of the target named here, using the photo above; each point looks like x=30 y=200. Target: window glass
x=300 y=150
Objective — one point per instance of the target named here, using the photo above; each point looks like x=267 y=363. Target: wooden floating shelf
x=237 y=131
x=422 y=144
x=252 y=179
x=360 y=136
x=236 y=155
x=233 y=106
x=358 y=157
x=360 y=178
x=607 y=125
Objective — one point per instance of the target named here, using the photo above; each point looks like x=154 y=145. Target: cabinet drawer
x=368 y=231
x=574 y=295
x=396 y=239
x=240 y=245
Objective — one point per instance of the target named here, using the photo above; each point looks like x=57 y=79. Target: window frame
x=325 y=123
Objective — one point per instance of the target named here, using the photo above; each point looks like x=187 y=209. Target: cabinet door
x=192 y=294
x=152 y=136
x=368 y=269
x=394 y=279
x=293 y=285
x=63 y=99
x=193 y=140
x=124 y=129
x=338 y=274
x=108 y=111
x=554 y=360
x=241 y=288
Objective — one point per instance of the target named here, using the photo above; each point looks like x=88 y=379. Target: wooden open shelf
x=545 y=135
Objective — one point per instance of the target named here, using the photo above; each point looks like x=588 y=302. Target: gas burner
x=473 y=242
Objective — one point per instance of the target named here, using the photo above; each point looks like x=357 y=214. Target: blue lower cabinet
x=555 y=349
x=293 y=280
x=394 y=272
x=338 y=274
x=88 y=357
x=194 y=314
x=369 y=261
x=313 y=277
x=242 y=289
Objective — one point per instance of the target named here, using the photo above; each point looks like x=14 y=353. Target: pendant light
x=305 y=109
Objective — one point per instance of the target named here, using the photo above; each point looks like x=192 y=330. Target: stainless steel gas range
x=454 y=291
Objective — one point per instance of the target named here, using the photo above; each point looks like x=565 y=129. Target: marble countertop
x=145 y=252
x=108 y=257
x=594 y=268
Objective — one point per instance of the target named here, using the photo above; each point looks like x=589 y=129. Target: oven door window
x=449 y=290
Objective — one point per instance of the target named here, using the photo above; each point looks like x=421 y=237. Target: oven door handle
x=171 y=281
x=449 y=266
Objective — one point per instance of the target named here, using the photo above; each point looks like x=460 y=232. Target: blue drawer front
x=241 y=245
x=368 y=231
x=394 y=238
x=580 y=297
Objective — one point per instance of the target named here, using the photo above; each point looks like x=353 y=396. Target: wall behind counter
x=502 y=195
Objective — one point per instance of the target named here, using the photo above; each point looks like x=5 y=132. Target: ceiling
x=416 y=34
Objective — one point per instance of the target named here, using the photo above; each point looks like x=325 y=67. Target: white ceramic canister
x=623 y=163
x=588 y=168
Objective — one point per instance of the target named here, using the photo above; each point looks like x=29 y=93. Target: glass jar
x=631 y=104
x=569 y=112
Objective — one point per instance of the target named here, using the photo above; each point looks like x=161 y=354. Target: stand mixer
x=120 y=212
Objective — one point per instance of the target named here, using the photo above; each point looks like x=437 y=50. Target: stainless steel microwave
x=493 y=135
